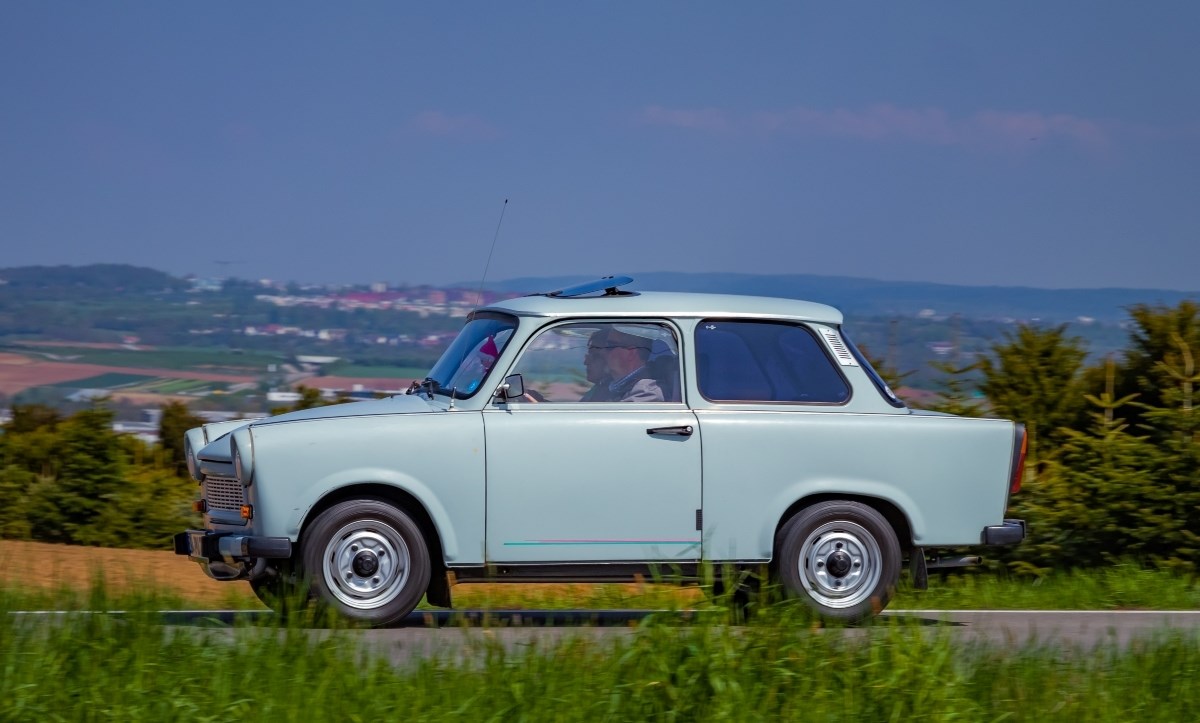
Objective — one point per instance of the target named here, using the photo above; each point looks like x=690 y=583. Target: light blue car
x=594 y=434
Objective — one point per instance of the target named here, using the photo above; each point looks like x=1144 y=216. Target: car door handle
x=681 y=431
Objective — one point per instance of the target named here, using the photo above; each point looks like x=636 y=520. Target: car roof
x=668 y=304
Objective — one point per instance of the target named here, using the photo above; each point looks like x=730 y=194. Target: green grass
x=779 y=667
x=1120 y=587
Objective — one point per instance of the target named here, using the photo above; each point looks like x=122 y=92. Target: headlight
x=192 y=442
x=190 y=455
x=237 y=465
x=242 y=449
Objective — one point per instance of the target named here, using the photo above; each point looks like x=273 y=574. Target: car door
x=570 y=479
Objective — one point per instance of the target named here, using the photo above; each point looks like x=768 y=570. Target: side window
x=602 y=362
x=761 y=361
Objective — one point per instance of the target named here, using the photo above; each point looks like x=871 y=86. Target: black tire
x=842 y=558
x=282 y=589
x=739 y=592
x=367 y=561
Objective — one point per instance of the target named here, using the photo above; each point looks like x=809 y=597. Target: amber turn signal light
x=247 y=512
x=200 y=506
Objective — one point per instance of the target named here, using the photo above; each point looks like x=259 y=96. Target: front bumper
x=227 y=555
x=1010 y=533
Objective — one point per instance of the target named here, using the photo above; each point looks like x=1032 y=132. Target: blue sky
x=1017 y=143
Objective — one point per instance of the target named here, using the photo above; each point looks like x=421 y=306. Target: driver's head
x=595 y=362
x=616 y=352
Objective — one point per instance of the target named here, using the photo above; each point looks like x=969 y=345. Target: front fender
x=437 y=458
x=336 y=483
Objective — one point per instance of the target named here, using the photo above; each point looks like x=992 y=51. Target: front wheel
x=842 y=558
x=367 y=561
x=281 y=589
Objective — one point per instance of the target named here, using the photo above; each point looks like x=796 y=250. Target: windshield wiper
x=430 y=385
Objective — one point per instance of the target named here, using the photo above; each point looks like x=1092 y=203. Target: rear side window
x=764 y=361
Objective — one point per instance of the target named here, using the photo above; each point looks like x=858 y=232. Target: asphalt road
x=459 y=634
x=1070 y=630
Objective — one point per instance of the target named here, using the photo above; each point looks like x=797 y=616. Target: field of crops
x=224 y=361
x=376 y=372
x=116 y=381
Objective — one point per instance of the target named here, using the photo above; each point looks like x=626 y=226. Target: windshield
x=470 y=357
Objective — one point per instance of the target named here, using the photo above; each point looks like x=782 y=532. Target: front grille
x=223 y=494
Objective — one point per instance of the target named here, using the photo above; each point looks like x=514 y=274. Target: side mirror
x=513 y=387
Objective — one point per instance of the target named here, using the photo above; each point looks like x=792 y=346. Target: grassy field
x=779 y=667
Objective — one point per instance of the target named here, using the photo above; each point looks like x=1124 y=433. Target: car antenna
x=479 y=294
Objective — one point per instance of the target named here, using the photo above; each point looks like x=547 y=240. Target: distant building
x=309 y=359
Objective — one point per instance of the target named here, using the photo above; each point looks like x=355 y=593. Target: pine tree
x=955 y=394
x=1153 y=348
x=1176 y=430
x=1035 y=379
x=1101 y=502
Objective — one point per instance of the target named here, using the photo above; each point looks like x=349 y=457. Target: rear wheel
x=842 y=558
x=367 y=560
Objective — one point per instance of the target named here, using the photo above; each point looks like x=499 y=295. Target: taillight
x=1020 y=446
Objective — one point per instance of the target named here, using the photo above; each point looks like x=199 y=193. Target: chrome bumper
x=1010 y=533
x=208 y=546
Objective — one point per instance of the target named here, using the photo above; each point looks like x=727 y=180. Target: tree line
x=1113 y=470
x=1112 y=474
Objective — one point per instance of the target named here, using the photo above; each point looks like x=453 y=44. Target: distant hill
x=61 y=282
x=857 y=297
x=870 y=297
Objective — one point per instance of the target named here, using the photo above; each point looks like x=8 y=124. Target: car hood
x=400 y=404
x=220 y=449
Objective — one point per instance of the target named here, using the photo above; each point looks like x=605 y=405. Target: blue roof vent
x=609 y=285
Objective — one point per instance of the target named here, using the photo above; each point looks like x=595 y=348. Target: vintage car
x=596 y=433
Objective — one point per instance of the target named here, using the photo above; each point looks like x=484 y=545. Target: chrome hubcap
x=840 y=564
x=366 y=564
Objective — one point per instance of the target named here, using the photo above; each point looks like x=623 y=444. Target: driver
x=616 y=364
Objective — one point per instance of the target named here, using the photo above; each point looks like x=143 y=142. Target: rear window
x=765 y=361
